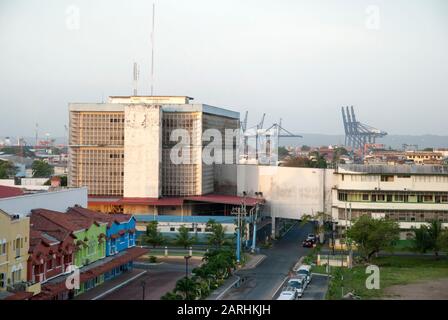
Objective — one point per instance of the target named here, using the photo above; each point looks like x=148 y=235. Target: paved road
x=317 y=289
x=159 y=280
x=263 y=282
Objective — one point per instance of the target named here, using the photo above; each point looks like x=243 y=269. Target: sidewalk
x=111 y=285
x=226 y=286
x=254 y=261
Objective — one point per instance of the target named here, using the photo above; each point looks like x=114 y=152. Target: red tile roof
x=8 y=192
x=98 y=216
x=50 y=290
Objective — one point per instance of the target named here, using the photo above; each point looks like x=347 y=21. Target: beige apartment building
x=411 y=195
x=122 y=148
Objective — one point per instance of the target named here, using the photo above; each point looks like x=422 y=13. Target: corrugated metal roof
x=396 y=169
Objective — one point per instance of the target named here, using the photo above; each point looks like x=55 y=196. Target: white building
x=410 y=195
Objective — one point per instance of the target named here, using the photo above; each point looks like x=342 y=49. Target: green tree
x=282 y=152
x=153 y=236
x=171 y=296
x=218 y=234
x=221 y=262
x=443 y=241
x=372 y=235
x=187 y=287
x=183 y=238
x=7 y=169
x=337 y=153
x=435 y=232
x=42 y=169
x=421 y=242
x=305 y=148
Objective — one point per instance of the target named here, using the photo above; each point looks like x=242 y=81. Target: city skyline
x=288 y=59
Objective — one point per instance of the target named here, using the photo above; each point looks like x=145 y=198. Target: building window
x=342 y=196
x=387 y=178
x=365 y=197
x=2 y=280
x=172 y=229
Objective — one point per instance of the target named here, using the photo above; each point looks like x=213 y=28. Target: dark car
x=307 y=244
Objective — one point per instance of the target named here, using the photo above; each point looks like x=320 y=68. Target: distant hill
x=394 y=141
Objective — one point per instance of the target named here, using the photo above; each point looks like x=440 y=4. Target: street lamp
x=186 y=275
x=186 y=265
x=143 y=285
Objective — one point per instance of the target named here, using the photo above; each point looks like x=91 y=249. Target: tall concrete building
x=123 y=148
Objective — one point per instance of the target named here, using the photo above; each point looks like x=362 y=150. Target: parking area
x=316 y=290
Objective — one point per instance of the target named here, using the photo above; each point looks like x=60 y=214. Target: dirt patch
x=424 y=290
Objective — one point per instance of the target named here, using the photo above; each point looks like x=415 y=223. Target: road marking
x=119 y=286
x=227 y=289
x=278 y=288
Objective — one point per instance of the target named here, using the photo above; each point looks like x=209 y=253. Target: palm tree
x=171 y=296
x=153 y=237
x=183 y=237
x=187 y=287
x=218 y=234
x=421 y=241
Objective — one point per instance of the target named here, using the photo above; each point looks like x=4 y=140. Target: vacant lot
x=399 y=277
x=424 y=290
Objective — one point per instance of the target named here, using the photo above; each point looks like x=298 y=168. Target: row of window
x=396 y=215
x=436 y=197
x=392 y=178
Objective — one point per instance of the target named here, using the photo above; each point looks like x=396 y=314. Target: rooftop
x=396 y=169
x=8 y=192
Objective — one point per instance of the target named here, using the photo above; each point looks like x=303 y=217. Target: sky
x=296 y=60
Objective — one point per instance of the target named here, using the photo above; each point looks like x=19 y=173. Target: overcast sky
x=298 y=60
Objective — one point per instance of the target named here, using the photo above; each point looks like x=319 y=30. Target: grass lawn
x=393 y=270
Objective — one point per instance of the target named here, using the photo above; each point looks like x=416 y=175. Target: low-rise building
x=410 y=195
x=14 y=244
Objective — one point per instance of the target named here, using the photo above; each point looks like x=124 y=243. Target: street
x=159 y=279
x=263 y=282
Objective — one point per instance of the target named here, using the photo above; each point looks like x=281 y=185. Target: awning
x=50 y=290
x=225 y=199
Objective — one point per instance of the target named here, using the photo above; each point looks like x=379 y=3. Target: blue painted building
x=121 y=234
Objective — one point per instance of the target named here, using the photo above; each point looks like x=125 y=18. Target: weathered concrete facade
x=142 y=147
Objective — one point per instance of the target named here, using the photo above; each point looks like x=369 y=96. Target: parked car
x=306 y=271
x=307 y=244
x=304 y=279
x=311 y=237
x=288 y=293
x=298 y=283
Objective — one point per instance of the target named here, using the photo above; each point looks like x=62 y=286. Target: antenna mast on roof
x=152 y=49
x=136 y=75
